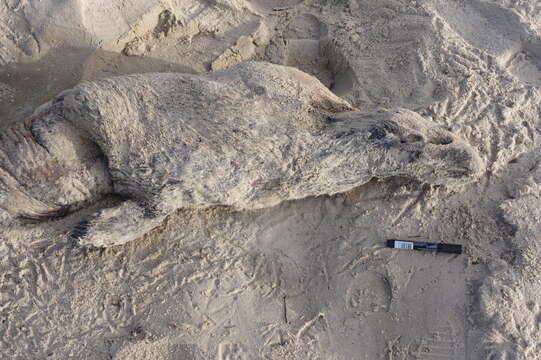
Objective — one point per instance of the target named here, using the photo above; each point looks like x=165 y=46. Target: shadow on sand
x=32 y=84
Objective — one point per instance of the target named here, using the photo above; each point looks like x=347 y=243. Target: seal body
x=248 y=137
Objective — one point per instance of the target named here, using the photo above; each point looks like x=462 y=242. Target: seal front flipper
x=117 y=225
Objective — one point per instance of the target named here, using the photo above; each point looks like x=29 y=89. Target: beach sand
x=307 y=279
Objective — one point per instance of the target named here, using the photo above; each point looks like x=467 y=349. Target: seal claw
x=80 y=230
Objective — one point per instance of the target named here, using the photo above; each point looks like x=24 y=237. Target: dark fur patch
x=344 y=134
x=414 y=155
x=35 y=217
x=38 y=139
x=80 y=230
x=376 y=133
x=150 y=212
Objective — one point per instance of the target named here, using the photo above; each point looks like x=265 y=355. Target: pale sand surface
x=308 y=279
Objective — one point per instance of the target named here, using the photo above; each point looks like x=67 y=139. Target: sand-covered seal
x=248 y=137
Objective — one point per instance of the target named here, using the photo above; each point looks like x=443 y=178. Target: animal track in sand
x=7 y=93
x=231 y=351
x=498 y=32
x=302 y=38
x=163 y=349
x=305 y=26
x=484 y=25
x=377 y=52
x=438 y=345
x=369 y=292
x=525 y=65
x=273 y=5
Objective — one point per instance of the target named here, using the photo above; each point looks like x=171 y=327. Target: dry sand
x=308 y=279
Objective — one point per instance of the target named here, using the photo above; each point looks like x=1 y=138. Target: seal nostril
x=412 y=138
x=441 y=140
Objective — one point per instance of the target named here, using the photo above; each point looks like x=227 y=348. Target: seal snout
x=447 y=159
x=425 y=150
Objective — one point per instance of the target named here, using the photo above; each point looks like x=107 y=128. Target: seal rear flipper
x=21 y=205
x=117 y=225
x=49 y=168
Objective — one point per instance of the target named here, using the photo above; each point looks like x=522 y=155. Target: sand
x=311 y=278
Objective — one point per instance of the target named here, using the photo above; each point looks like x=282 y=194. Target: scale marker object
x=424 y=246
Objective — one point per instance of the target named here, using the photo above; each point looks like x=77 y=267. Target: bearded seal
x=248 y=137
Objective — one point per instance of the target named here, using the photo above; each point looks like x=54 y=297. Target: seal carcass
x=248 y=137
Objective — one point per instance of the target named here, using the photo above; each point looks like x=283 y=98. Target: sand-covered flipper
x=49 y=168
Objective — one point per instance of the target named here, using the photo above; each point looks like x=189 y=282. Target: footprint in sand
x=369 y=292
x=497 y=31
x=163 y=349
x=525 y=65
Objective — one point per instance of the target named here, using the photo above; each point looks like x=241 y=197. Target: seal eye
x=376 y=133
x=344 y=134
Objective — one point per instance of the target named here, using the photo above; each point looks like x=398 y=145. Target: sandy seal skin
x=248 y=137
x=47 y=169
